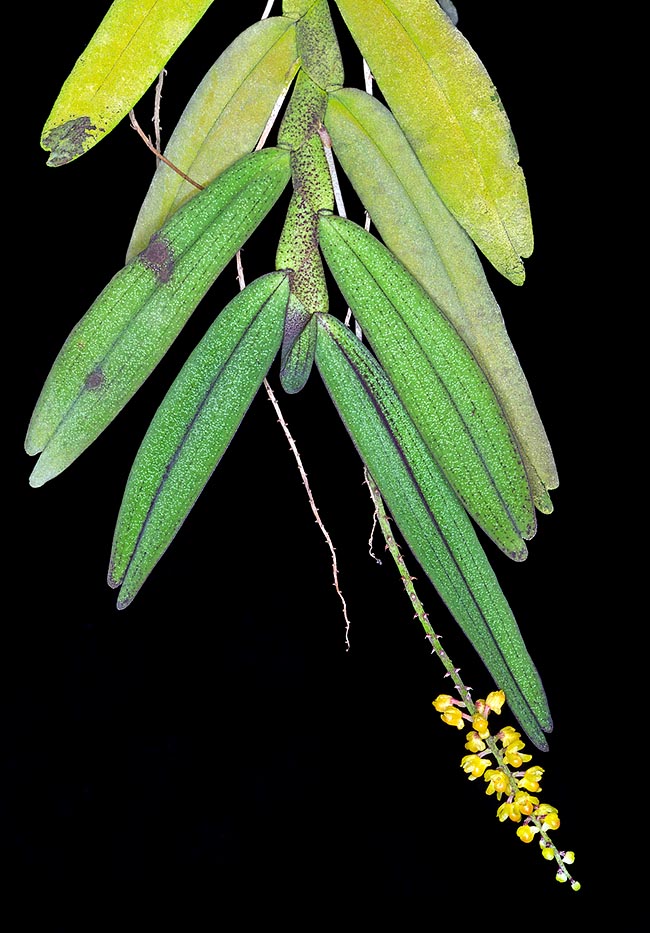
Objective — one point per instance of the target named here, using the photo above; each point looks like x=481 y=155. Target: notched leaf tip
x=68 y=141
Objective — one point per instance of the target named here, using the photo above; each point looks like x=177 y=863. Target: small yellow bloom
x=568 y=857
x=526 y=802
x=545 y=808
x=552 y=821
x=498 y=783
x=453 y=717
x=481 y=725
x=443 y=701
x=548 y=816
x=526 y=832
x=513 y=756
x=509 y=811
x=474 y=766
x=495 y=700
x=508 y=735
x=548 y=853
x=531 y=779
x=475 y=743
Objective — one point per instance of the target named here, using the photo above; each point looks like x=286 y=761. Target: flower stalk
x=502 y=772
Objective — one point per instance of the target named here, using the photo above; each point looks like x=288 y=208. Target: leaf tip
x=113 y=579
x=43 y=472
x=68 y=141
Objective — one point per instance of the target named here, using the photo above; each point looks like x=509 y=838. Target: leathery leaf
x=446 y=103
x=439 y=381
x=193 y=427
x=423 y=234
x=141 y=311
x=430 y=517
x=132 y=44
x=223 y=120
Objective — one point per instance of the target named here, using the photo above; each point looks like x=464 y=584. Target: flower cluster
x=508 y=776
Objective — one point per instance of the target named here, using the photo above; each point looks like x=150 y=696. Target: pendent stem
x=407 y=580
x=452 y=672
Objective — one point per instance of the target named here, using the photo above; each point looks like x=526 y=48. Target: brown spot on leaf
x=159 y=257
x=94 y=380
x=68 y=141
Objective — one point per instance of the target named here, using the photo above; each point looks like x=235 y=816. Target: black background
x=217 y=734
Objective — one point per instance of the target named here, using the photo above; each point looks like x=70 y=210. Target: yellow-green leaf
x=133 y=43
x=451 y=113
x=223 y=120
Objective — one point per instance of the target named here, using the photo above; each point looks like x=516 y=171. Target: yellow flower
x=531 y=779
x=474 y=742
x=552 y=821
x=508 y=735
x=509 y=811
x=525 y=802
x=480 y=724
x=498 y=783
x=453 y=717
x=526 y=832
x=495 y=701
x=513 y=756
x=443 y=701
x=547 y=851
x=544 y=808
x=474 y=766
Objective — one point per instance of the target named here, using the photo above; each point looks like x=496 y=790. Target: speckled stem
x=298 y=252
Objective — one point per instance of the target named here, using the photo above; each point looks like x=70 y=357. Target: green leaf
x=438 y=380
x=430 y=517
x=421 y=232
x=141 y=311
x=450 y=111
x=223 y=120
x=193 y=427
x=133 y=43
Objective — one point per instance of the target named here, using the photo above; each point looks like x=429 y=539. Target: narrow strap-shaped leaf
x=223 y=120
x=430 y=517
x=131 y=46
x=138 y=315
x=449 y=109
x=193 y=427
x=421 y=232
x=439 y=381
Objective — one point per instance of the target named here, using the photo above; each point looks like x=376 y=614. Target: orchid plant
x=421 y=370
